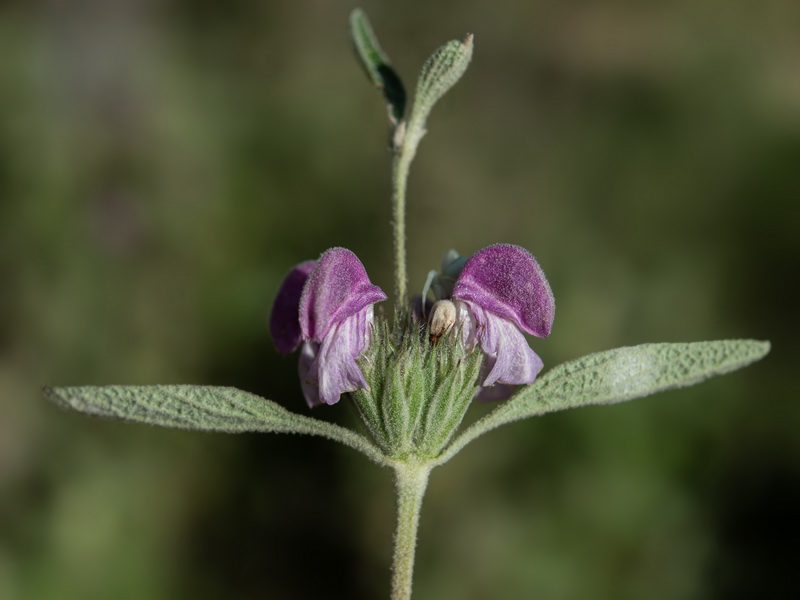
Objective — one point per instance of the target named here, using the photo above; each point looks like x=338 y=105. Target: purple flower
x=500 y=293
x=326 y=305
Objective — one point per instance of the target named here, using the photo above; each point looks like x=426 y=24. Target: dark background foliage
x=164 y=163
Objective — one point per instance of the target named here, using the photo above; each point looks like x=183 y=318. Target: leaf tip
x=357 y=16
x=49 y=392
x=54 y=395
x=762 y=348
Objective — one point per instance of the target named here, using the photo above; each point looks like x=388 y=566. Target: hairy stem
x=411 y=479
x=401 y=165
x=406 y=138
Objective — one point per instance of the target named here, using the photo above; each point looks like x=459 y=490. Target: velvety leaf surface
x=619 y=375
x=205 y=408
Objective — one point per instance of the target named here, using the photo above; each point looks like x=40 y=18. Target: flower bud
x=441 y=320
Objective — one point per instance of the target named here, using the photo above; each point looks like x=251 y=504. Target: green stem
x=406 y=138
x=400 y=168
x=411 y=479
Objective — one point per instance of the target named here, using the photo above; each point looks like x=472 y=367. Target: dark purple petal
x=337 y=288
x=329 y=369
x=507 y=281
x=509 y=358
x=420 y=310
x=284 y=321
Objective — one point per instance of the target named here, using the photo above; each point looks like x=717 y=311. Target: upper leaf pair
x=439 y=73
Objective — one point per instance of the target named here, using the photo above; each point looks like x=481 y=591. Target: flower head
x=501 y=292
x=326 y=305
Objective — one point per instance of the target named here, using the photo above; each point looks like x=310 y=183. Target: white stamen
x=442 y=319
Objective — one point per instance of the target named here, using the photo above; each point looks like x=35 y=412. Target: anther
x=442 y=319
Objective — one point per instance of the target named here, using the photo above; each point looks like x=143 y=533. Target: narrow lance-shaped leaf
x=376 y=64
x=616 y=376
x=439 y=73
x=203 y=408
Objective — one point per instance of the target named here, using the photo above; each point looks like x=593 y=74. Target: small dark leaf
x=376 y=64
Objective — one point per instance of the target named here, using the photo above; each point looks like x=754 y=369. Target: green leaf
x=376 y=64
x=203 y=408
x=439 y=73
x=617 y=376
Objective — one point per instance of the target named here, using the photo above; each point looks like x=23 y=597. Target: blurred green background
x=164 y=163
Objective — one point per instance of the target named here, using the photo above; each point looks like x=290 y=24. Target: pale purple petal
x=466 y=325
x=507 y=281
x=337 y=288
x=284 y=321
x=333 y=370
x=509 y=359
x=308 y=381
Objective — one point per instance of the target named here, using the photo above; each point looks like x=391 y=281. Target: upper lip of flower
x=317 y=294
x=337 y=288
x=507 y=281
